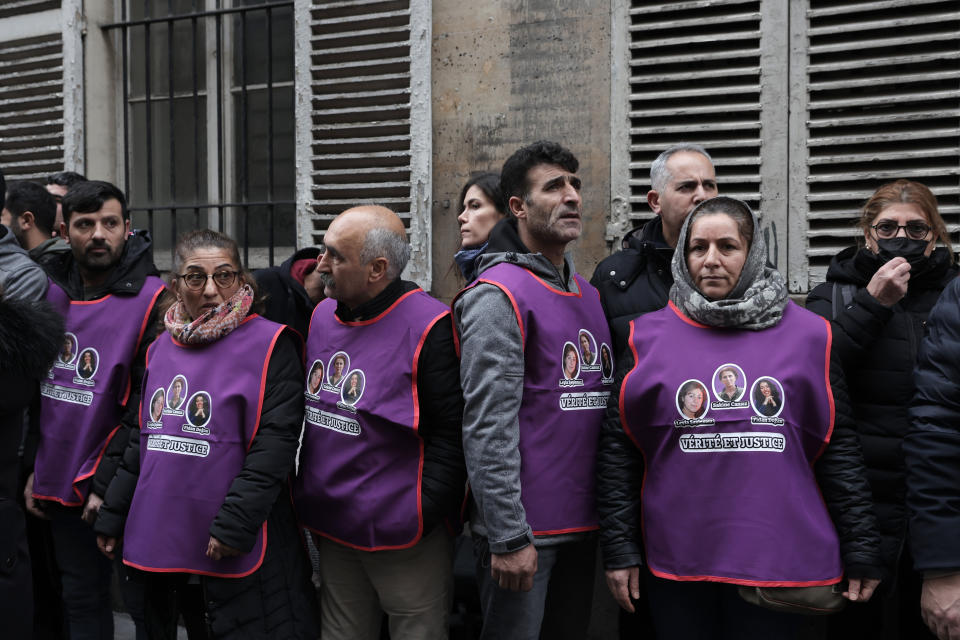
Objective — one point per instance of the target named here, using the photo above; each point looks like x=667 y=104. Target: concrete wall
x=506 y=73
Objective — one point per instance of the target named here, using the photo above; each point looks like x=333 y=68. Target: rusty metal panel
x=882 y=103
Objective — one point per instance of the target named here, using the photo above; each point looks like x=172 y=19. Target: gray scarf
x=756 y=302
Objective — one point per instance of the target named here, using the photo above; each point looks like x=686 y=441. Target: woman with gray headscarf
x=732 y=498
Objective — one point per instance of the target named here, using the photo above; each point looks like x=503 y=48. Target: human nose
x=323 y=265
x=712 y=256
x=901 y=231
x=700 y=194
x=571 y=195
x=462 y=218
x=210 y=289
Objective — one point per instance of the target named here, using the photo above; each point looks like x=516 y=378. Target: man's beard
x=104 y=262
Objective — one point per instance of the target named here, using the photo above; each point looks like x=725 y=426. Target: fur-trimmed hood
x=31 y=334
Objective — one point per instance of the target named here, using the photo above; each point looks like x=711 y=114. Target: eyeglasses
x=196 y=281
x=915 y=229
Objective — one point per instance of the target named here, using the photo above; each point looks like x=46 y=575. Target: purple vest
x=361 y=461
x=729 y=493
x=192 y=446
x=566 y=384
x=87 y=389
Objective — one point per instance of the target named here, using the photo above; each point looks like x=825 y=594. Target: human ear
x=516 y=205
x=653 y=199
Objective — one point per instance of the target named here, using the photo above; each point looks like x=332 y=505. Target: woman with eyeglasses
x=878 y=297
x=208 y=519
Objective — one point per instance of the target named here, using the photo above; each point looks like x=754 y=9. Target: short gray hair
x=381 y=242
x=659 y=176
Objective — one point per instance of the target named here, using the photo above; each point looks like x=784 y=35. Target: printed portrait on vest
x=606 y=362
x=87 y=363
x=198 y=409
x=588 y=348
x=315 y=379
x=571 y=362
x=692 y=400
x=69 y=350
x=767 y=397
x=353 y=387
x=728 y=383
x=177 y=392
x=157 y=403
x=339 y=363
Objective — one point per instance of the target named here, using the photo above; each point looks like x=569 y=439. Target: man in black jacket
x=932 y=455
x=292 y=290
x=105 y=260
x=636 y=279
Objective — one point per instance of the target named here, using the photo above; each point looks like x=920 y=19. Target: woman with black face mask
x=878 y=297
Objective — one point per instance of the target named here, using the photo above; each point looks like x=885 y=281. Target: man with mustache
x=531 y=462
x=382 y=468
x=107 y=290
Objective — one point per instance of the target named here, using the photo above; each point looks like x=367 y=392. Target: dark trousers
x=168 y=596
x=715 y=611
x=558 y=606
x=85 y=575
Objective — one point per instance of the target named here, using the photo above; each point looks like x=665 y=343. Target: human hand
x=32 y=504
x=769 y=400
x=860 y=589
x=624 y=584
x=940 y=606
x=92 y=508
x=217 y=550
x=514 y=571
x=889 y=283
x=106 y=544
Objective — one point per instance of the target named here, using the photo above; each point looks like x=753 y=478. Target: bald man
x=382 y=465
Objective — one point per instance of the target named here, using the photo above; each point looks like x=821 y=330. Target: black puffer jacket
x=878 y=346
x=635 y=280
x=932 y=445
x=620 y=472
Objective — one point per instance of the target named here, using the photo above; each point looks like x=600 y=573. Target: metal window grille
x=208 y=127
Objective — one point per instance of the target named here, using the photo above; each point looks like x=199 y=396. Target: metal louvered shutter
x=883 y=103
x=41 y=71
x=694 y=76
x=369 y=117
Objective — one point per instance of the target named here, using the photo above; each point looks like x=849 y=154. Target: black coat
x=932 y=445
x=878 y=346
x=31 y=334
x=285 y=299
x=620 y=472
x=635 y=280
x=278 y=597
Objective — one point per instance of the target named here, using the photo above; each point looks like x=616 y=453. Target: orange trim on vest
x=686 y=319
x=747 y=583
x=360 y=323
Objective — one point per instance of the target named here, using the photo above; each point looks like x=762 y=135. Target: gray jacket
x=20 y=277
x=491 y=373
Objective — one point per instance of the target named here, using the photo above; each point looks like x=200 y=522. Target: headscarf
x=757 y=300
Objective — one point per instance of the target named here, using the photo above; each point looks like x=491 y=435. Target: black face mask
x=912 y=250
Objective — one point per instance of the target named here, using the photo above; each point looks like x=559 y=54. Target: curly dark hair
x=513 y=176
